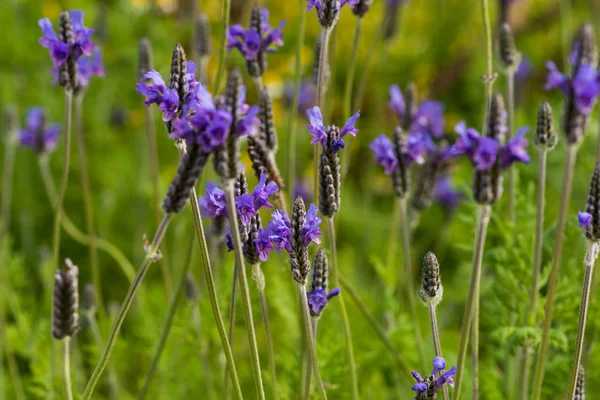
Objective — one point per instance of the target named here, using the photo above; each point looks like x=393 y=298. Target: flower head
x=311 y=231
x=585 y=219
x=585 y=85
x=250 y=42
x=515 y=149
x=215 y=203
x=445 y=193
x=397 y=103
x=157 y=92
x=87 y=67
x=318 y=299
x=429 y=386
x=384 y=153
x=316 y=127
x=80 y=44
x=263 y=244
x=263 y=191
x=349 y=126
x=37 y=135
x=245 y=208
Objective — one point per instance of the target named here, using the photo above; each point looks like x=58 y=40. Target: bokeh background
x=438 y=46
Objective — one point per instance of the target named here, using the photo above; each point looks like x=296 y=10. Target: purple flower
x=585 y=219
x=397 y=103
x=430 y=118
x=245 y=208
x=349 y=126
x=263 y=191
x=446 y=194
x=318 y=299
x=306 y=97
x=215 y=201
x=229 y=241
x=87 y=67
x=484 y=156
x=556 y=79
x=280 y=229
x=384 y=153
x=204 y=200
x=82 y=43
x=515 y=149
x=316 y=127
x=158 y=92
x=524 y=70
x=418 y=144
x=314 y=4
x=60 y=51
x=263 y=244
x=467 y=140
x=250 y=123
x=311 y=231
x=250 y=43
x=585 y=84
x=37 y=135
x=432 y=384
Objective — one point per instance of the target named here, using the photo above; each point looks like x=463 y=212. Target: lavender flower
x=585 y=85
x=427 y=119
x=263 y=191
x=60 y=49
x=319 y=294
x=590 y=219
x=87 y=67
x=328 y=11
x=158 y=93
x=319 y=131
x=585 y=219
x=446 y=194
x=306 y=97
x=427 y=388
x=37 y=135
x=384 y=153
x=215 y=202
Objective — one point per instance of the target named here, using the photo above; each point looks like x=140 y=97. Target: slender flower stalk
x=321 y=82
x=87 y=199
x=225 y=13
x=10 y=142
x=489 y=77
x=545 y=139
x=232 y=308
x=314 y=325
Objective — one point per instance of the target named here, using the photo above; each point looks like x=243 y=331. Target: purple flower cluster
x=37 y=135
x=250 y=43
x=319 y=132
x=585 y=84
x=318 y=4
x=61 y=51
x=484 y=151
x=318 y=299
x=385 y=155
x=87 y=67
x=428 y=119
x=158 y=93
x=278 y=233
x=432 y=384
x=446 y=194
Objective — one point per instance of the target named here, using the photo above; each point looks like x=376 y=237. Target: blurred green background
x=439 y=46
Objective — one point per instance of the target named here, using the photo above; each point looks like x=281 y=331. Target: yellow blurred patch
x=138 y=117
x=51 y=9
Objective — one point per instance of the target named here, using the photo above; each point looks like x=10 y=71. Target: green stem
x=225 y=11
x=112 y=377
x=232 y=308
x=292 y=123
x=87 y=201
x=151 y=255
x=58 y=207
x=404 y=222
x=348 y=90
x=437 y=345
x=175 y=301
x=590 y=259
x=475 y=342
x=325 y=34
x=67 y=369
x=512 y=181
x=535 y=275
x=554 y=270
x=245 y=292
x=347 y=332
x=314 y=323
x=7 y=178
x=259 y=277
x=394 y=354
x=489 y=74
x=311 y=341
x=69 y=227
x=394 y=229
x=484 y=217
x=210 y=283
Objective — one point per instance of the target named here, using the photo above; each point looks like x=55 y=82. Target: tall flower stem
x=112 y=377
x=7 y=178
x=405 y=224
x=292 y=123
x=87 y=201
x=232 y=307
x=554 y=269
x=484 y=218
x=243 y=282
x=175 y=301
x=154 y=175
x=79 y=236
x=590 y=260
x=314 y=323
x=311 y=341
x=210 y=284
x=225 y=12
x=437 y=345
x=325 y=34
x=348 y=89
x=394 y=354
x=347 y=332
x=259 y=277
x=394 y=230
x=58 y=207
x=535 y=274
x=512 y=178
x=489 y=73
x=67 y=369
x=475 y=343
x=151 y=255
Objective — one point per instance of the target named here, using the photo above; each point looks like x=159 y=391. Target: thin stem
x=232 y=308
x=489 y=74
x=554 y=270
x=7 y=180
x=69 y=227
x=292 y=123
x=225 y=11
x=590 y=259
x=325 y=34
x=58 y=207
x=67 y=369
x=404 y=222
x=151 y=256
x=475 y=343
x=401 y=364
x=87 y=201
x=347 y=332
x=245 y=292
x=437 y=345
x=259 y=277
x=535 y=275
x=484 y=217
x=394 y=229
x=175 y=301
x=210 y=284
x=112 y=378
x=314 y=322
x=311 y=340
x=348 y=90
x=512 y=179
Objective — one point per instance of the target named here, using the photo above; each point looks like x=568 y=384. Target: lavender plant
x=427 y=388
